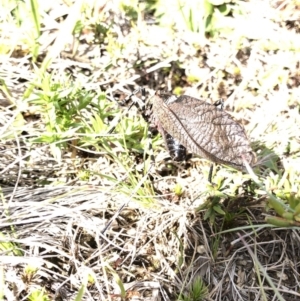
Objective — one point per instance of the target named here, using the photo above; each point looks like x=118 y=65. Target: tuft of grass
x=7 y=247
x=197 y=291
x=38 y=295
x=29 y=273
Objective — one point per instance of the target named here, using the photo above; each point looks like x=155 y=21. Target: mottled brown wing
x=203 y=129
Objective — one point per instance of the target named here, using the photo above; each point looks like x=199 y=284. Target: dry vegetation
x=84 y=213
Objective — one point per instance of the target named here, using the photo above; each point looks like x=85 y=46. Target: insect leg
x=211 y=169
x=220 y=103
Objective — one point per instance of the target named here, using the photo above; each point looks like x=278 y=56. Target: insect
x=203 y=129
x=191 y=124
x=188 y=124
x=177 y=151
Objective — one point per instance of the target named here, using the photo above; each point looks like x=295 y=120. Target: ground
x=86 y=213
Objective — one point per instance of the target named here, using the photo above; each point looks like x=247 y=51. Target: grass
x=85 y=213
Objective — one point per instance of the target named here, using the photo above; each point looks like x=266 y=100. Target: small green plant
x=38 y=295
x=282 y=191
x=25 y=15
x=69 y=112
x=213 y=208
x=213 y=205
x=203 y=16
x=91 y=279
x=84 y=175
x=62 y=107
x=8 y=248
x=288 y=209
x=136 y=185
x=134 y=8
x=29 y=273
x=230 y=217
x=178 y=190
x=196 y=292
x=34 y=9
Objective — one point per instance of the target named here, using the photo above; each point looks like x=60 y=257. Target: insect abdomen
x=177 y=151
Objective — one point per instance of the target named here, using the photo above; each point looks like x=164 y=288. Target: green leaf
x=219 y=210
x=36 y=16
x=224 y=9
x=80 y=293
